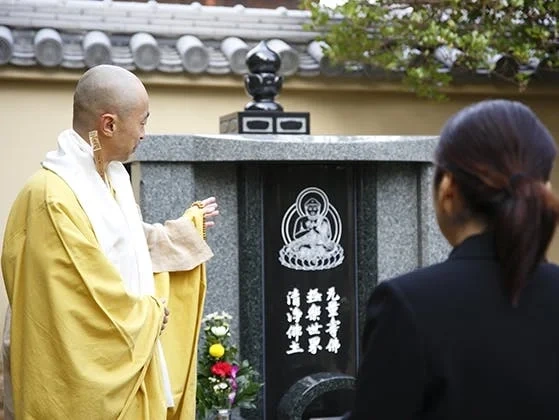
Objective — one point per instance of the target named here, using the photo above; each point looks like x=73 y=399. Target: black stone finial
x=261 y=59
x=263 y=115
x=263 y=83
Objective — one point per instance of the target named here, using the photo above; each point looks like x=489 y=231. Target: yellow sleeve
x=186 y=291
x=80 y=345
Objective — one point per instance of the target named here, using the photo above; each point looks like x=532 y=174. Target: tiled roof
x=173 y=38
x=170 y=38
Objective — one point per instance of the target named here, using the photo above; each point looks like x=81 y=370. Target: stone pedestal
x=265 y=122
x=307 y=215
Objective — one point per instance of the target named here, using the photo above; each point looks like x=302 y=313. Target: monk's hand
x=166 y=314
x=209 y=208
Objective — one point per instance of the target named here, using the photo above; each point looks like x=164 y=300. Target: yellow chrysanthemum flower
x=217 y=350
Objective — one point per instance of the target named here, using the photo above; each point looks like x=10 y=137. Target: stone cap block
x=242 y=148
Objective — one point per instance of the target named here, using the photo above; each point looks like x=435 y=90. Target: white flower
x=225 y=315
x=223 y=385
x=216 y=319
x=219 y=331
x=216 y=388
x=208 y=317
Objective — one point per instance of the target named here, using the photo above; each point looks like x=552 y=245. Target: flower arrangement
x=223 y=382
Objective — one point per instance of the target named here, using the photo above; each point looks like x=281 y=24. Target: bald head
x=113 y=102
x=105 y=89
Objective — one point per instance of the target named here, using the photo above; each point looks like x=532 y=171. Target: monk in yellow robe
x=88 y=334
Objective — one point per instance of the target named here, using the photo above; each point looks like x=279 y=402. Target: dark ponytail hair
x=501 y=156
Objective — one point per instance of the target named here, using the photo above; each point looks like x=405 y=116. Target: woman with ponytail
x=477 y=336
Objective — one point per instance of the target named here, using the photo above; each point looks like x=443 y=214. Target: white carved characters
x=295 y=330
x=311 y=230
x=313 y=326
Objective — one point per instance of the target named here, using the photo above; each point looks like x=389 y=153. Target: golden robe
x=81 y=347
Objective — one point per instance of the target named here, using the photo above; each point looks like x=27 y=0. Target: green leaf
x=370 y=34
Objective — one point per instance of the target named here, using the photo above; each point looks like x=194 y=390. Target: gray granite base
x=167 y=189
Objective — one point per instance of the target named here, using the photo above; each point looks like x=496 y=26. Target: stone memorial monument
x=309 y=225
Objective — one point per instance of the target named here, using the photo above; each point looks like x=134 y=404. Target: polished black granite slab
x=265 y=193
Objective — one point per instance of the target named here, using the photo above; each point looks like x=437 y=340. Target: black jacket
x=444 y=342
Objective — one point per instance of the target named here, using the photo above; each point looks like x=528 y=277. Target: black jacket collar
x=481 y=246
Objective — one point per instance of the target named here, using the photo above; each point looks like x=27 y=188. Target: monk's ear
x=108 y=125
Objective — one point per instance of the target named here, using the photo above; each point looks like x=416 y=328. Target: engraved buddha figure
x=312 y=233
